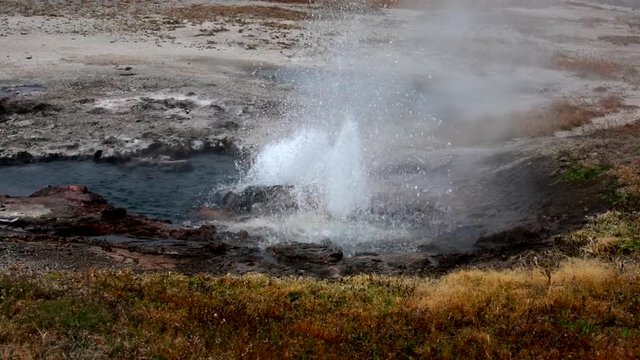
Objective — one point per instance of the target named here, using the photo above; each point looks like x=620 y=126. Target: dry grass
x=281 y=26
x=585 y=5
x=632 y=22
x=299 y=2
x=624 y=40
x=212 y=12
x=360 y=4
x=344 y=4
x=559 y=115
x=613 y=233
x=591 y=22
x=565 y=114
x=595 y=67
x=588 y=310
x=629 y=177
x=611 y=104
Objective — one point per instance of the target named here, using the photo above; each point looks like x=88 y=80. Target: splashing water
x=330 y=172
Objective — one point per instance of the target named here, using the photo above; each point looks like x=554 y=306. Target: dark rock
x=217 y=248
x=301 y=253
x=25 y=106
x=147 y=104
x=207 y=213
x=113 y=214
x=23 y=157
x=218 y=108
x=519 y=235
x=75 y=230
x=367 y=253
x=268 y=199
x=203 y=233
x=77 y=193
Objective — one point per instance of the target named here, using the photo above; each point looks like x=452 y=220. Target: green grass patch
x=579 y=173
x=73 y=315
x=610 y=233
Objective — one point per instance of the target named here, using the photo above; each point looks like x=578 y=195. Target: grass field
x=589 y=309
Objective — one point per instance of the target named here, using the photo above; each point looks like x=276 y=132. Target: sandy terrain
x=93 y=64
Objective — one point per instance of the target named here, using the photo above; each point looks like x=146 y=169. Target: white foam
x=328 y=170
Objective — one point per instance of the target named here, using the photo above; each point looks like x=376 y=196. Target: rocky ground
x=127 y=81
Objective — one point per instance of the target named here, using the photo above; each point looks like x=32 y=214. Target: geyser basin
x=157 y=191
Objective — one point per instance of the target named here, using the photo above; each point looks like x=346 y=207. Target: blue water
x=149 y=190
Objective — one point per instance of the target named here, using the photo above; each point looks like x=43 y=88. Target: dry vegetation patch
x=595 y=67
x=559 y=115
x=613 y=233
x=212 y=12
x=585 y=5
x=592 y=22
x=588 y=307
x=344 y=4
x=281 y=26
x=624 y=40
x=629 y=177
x=564 y=114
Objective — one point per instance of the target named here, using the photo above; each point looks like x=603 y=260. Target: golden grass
x=564 y=114
x=612 y=233
x=559 y=115
x=629 y=177
x=588 y=310
x=594 y=67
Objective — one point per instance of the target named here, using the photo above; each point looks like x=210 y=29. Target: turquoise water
x=149 y=190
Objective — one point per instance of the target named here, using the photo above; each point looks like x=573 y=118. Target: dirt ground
x=120 y=80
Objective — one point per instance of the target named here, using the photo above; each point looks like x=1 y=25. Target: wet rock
x=303 y=253
x=207 y=213
x=262 y=199
x=526 y=236
x=75 y=211
x=26 y=106
x=77 y=193
x=114 y=214
x=364 y=264
x=147 y=104
x=75 y=214
x=203 y=233
x=23 y=157
x=227 y=145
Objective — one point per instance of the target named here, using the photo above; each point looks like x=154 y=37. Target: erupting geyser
x=371 y=144
x=327 y=168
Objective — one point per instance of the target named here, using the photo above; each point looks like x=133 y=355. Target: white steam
x=330 y=170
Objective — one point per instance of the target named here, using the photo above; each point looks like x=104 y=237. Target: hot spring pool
x=150 y=190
